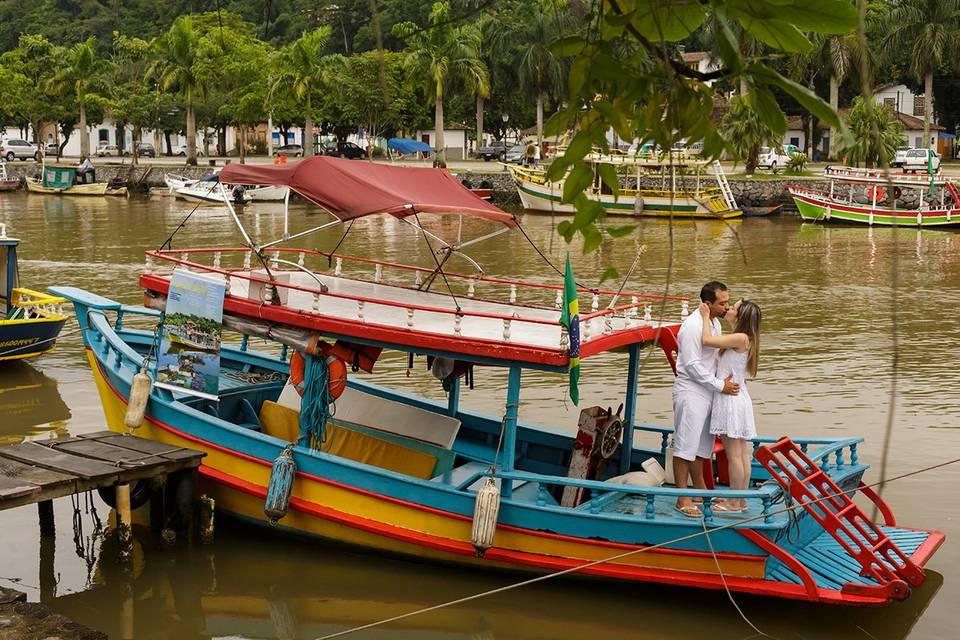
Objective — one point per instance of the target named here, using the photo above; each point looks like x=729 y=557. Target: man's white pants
x=691 y=426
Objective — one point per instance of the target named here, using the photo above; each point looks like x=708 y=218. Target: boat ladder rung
x=810 y=487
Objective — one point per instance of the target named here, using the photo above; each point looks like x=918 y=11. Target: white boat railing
x=514 y=303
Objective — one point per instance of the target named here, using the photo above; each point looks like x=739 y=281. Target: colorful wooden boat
x=861 y=196
x=29 y=321
x=399 y=473
x=671 y=200
x=207 y=190
x=756 y=212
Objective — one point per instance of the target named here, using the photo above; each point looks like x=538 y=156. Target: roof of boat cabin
x=351 y=189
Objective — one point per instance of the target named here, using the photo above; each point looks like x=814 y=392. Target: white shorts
x=691 y=426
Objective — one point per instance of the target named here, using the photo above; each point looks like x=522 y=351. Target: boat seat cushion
x=366 y=409
x=361 y=444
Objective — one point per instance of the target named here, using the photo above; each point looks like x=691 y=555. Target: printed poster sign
x=189 y=355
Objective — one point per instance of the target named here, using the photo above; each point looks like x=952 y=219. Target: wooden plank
x=13 y=488
x=142 y=445
x=49 y=458
x=119 y=457
x=34 y=475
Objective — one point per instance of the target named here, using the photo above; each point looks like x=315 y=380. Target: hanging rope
x=168 y=243
x=315 y=406
x=547 y=260
x=339 y=242
x=439 y=266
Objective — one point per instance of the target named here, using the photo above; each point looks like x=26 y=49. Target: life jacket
x=360 y=356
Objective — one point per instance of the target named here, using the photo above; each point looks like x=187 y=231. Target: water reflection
x=247 y=586
x=30 y=404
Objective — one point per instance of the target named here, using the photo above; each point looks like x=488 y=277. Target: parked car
x=343 y=150
x=645 y=150
x=289 y=150
x=18 y=149
x=899 y=157
x=105 y=150
x=515 y=154
x=145 y=149
x=495 y=150
x=775 y=158
x=52 y=149
x=181 y=150
x=919 y=160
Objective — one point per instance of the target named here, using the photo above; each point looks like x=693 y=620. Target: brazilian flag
x=570 y=318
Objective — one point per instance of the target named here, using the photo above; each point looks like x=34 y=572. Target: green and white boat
x=710 y=197
x=866 y=196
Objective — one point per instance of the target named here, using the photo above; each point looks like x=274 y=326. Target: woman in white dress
x=731 y=417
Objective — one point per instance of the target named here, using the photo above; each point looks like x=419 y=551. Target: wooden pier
x=36 y=472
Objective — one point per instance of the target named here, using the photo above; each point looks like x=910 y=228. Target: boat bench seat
x=362 y=444
x=523 y=490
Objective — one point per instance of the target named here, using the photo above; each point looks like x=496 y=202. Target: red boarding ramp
x=811 y=488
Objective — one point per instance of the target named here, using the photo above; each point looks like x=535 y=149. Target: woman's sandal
x=724 y=507
x=690 y=510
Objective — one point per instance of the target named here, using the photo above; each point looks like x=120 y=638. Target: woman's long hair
x=748 y=322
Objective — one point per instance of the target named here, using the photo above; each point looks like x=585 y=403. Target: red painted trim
x=415 y=505
x=781 y=554
x=929 y=547
x=881 y=504
x=824 y=201
x=481 y=347
x=551 y=563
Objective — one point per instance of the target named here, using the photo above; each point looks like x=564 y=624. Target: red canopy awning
x=350 y=189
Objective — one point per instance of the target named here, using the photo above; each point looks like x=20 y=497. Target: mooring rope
x=691 y=536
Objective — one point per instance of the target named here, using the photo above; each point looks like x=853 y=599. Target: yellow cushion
x=371 y=450
x=284 y=423
x=279 y=421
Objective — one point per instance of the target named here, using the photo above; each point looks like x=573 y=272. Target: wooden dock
x=39 y=471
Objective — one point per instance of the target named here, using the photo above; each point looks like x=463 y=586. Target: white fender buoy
x=137 y=403
x=485 y=513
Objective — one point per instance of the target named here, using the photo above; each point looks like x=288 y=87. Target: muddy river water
x=838 y=302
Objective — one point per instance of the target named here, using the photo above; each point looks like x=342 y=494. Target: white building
x=454 y=139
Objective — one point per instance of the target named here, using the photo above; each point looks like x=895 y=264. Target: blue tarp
x=406 y=145
x=948 y=136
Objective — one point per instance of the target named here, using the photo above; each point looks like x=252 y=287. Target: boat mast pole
x=510 y=429
x=453 y=400
x=630 y=409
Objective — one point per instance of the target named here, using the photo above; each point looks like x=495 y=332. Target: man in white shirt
x=693 y=391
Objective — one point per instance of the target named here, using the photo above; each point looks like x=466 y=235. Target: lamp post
x=506 y=119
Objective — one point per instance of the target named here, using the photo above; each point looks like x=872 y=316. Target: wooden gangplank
x=39 y=471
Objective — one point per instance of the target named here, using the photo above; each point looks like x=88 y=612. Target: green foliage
x=797 y=163
x=643 y=89
x=874 y=136
x=746 y=130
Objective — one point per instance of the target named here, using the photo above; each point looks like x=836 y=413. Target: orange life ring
x=336 y=378
x=876 y=191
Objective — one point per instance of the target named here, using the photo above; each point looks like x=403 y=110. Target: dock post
x=184 y=482
x=47 y=525
x=207 y=506
x=157 y=515
x=124 y=520
x=48 y=574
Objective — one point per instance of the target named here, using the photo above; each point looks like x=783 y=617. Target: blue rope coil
x=315 y=405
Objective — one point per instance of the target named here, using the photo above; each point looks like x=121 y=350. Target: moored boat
x=672 y=199
x=30 y=321
x=207 y=189
x=861 y=196
x=57 y=180
x=396 y=472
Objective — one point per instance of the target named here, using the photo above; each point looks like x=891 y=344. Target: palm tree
x=875 y=134
x=443 y=50
x=928 y=33
x=179 y=69
x=82 y=73
x=746 y=132
x=301 y=69
x=540 y=69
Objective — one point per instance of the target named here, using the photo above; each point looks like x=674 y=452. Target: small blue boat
x=30 y=321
